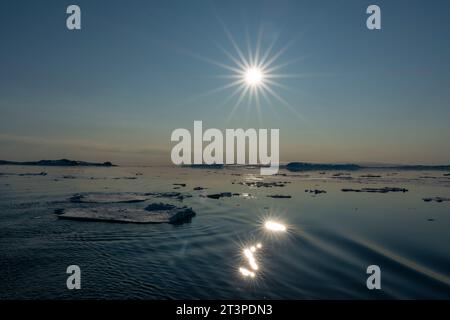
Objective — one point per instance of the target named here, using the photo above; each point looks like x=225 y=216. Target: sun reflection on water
x=246 y=273
x=251 y=252
x=248 y=253
x=274 y=226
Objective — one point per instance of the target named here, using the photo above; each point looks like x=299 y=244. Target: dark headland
x=58 y=163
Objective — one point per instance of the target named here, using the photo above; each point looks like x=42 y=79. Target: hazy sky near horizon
x=140 y=69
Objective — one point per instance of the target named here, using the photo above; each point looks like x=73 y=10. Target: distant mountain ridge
x=58 y=163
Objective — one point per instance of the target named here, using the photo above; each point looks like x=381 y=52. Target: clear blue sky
x=116 y=89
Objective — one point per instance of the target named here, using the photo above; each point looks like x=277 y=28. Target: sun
x=253 y=76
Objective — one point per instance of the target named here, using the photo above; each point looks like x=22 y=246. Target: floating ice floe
x=227 y=195
x=170 y=195
x=179 y=184
x=159 y=213
x=376 y=190
x=24 y=174
x=279 y=196
x=261 y=184
x=370 y=176
x=108 y=198
x=220 y=195
x=315 y=191
x=437 y=199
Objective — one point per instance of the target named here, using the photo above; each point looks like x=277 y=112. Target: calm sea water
x=330 y=239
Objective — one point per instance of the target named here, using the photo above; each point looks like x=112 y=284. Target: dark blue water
x=330 y=239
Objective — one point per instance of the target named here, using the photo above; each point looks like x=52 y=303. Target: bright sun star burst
x=253 y=76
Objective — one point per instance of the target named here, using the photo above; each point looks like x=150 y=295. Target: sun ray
x=218 y=89
x=258 y=109
x=234 y=44
x=297 y=75
x=268 y=51
x=277 y=84
x=285 y=64
x=284 y=102
x=238 y=90
x=258 y=43
x=216 y=63
x=273 y=58
x=233 y=58
x=238 y=102
x=268 y=102
x=249 y=48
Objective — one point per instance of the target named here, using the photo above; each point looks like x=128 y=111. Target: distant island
x=58 y=163
x=306 y=166
x=205 y=166
x=418 y=167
